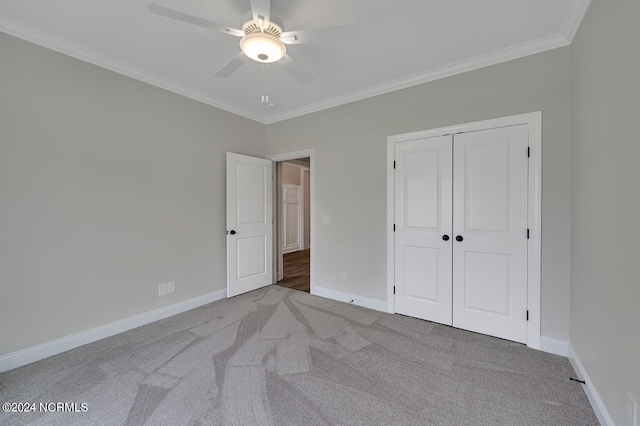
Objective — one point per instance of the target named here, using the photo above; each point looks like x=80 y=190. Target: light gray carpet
x=281 y=357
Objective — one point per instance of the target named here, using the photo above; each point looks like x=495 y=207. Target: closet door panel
x=490 y=219
x=423 y=216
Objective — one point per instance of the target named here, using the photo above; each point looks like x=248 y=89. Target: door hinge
x=394 y=289
x=394 y=164
x=527 y=315
x=394 y=227
x=527 y=233
x=528 y=151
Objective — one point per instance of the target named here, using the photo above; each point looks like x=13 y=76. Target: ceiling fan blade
x=297 y=72
x=261 y=10
x=349 y=32
x=195 y=20
x=231 y=66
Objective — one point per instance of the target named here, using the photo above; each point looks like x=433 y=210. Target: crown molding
x=66 y=47
x=76 y=51
x=576 y=17
x=540 y=45
x=503 y=55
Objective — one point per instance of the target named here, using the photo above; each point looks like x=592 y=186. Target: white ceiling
x=402 y=43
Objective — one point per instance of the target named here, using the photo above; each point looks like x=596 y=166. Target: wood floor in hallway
x=297 y=271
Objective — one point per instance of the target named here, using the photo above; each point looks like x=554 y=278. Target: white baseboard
x=594 y=398
x=350 y=298
x=554 y=346
x=54 y=347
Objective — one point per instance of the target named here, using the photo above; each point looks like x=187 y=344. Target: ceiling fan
x=263 y=38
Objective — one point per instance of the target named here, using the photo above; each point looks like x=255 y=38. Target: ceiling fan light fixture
x=263 y=47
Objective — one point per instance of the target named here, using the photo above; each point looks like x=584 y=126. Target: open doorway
x=293 y=207
x=301 y=269
x=294 y=220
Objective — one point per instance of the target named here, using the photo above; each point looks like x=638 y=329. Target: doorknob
x=445 y=237
x=459 y=238
x=232 y=232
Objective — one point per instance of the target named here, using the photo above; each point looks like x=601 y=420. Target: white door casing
x=249 y=224
x=305 y=181
x=292 y=218
x=490 y=218
x=423 y=216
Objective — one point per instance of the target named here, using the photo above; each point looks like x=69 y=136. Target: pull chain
x=265 y=73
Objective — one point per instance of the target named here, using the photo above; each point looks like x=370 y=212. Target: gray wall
x=108 y=187
x=605 y=215
x=350 y=144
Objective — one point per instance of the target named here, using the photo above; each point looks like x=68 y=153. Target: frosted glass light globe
x=263 y=47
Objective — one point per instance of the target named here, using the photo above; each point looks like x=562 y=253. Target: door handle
x=445 y=237
x=459 y=238
x=232 y=232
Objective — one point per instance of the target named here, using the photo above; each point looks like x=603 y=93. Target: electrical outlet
x=326 y=219
x=343 y=276
x=162 y=289
x=171 y=287
x=632 y=410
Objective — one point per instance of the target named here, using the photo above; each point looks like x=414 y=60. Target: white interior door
x=423 y=228
x=490 y=226
x=249 y=223
x=292 y=218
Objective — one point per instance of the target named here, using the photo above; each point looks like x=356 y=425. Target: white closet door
x=490 y=219
x=423 y=217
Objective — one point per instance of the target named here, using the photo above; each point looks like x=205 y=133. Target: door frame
x=303 y=200
x=277 y=240
x=533 y=121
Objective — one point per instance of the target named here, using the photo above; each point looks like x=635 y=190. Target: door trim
x=533 y=121
x=312 y=191
x=303 y=186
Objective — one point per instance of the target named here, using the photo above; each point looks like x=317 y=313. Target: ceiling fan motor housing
x=262 y=44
